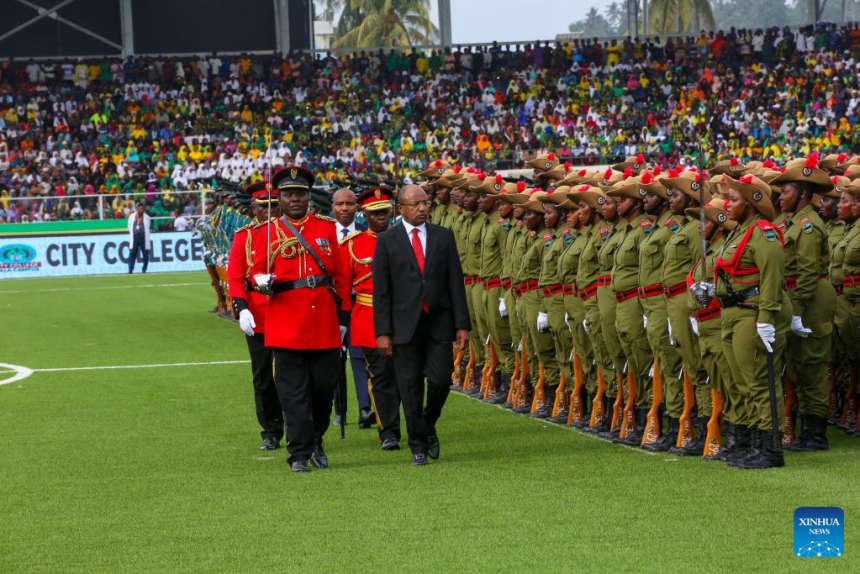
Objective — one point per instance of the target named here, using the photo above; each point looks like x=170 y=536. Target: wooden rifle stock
x=540 y=391
x=714 y=437
x=618 y=405
x=457 y=375
x=559 y=406
x=849 y=411
x=576 y=414
x=685 y=423
x=598 y=409
x=491 y=387
x=652 y=423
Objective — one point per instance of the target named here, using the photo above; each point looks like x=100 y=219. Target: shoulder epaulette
x=352 y=235
x=324 y=218
x=264 y=222
x=251 y=225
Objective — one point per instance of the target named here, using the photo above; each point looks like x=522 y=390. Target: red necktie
x=419 y=257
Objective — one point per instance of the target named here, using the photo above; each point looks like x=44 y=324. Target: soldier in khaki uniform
x=590 y=201
x=813 y=300
x=755 y=318
x=495 y=275
x=682 y=250
x=539 y=339
x=629 y=315
x=846 y=341
x=667 y=359
x=552 y=290
x=574 y=306
x=607 y=303
x=706 y=325
x=515 y=246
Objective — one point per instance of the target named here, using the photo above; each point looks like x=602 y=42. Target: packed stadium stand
x=129 y=128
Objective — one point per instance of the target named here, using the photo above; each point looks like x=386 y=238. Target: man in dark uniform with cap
x=250 y=308
x=306 y=316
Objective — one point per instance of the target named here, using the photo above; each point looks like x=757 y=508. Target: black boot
x=545 y=411
x=814 y=435
x=635 y=438
x=668 y=440
x=752 y=452
x=767 y=455
x=741 y=448
x=696 y=446
x=501 y=395
x=728 y=431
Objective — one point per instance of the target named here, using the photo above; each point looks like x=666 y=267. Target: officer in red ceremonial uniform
x=250 y=307
x=357 y=254
x=306 y=315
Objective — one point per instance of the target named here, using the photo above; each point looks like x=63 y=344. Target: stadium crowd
x=128 y=129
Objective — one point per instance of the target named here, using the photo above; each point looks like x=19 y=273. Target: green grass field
x=157 y=469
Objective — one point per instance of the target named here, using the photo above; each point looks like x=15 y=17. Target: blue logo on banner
x=819 y=532
x=17 y=253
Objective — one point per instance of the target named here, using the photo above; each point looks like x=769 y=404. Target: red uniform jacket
x=357 y=255
x=240 y=267
x=303 y=319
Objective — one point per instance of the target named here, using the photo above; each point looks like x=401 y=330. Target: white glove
x=343 y=331
x=246 y=322
x=542 y=322
x=645 y=321
x=695 y=325
x=585 y=327
x=503 y=309
x=567 y=320
x=767 y=334
x=671 y=338
x=798 y=329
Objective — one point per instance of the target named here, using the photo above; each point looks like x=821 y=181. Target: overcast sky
x=514 y=20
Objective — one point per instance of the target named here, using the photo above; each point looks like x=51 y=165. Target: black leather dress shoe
x=419 y=460
x=433 y=447
x=270 y=443
x=319 y=458
x=300 y=465
x=366 y=419
x=390 y=444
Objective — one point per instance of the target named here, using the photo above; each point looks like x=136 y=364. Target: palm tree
x=370 y=23
x=680 y=16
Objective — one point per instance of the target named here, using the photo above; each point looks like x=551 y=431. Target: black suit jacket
x=399 y=288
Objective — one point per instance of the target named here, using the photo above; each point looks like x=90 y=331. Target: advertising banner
x=95 y=255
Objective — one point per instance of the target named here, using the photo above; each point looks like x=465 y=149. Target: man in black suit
x=419 y=308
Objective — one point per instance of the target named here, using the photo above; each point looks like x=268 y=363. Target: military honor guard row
x=704 y=311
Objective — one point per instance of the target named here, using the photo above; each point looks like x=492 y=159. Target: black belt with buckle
x=309 y=282
x=737 y=298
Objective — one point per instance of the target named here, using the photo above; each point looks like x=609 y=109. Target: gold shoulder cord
x=248 y=253
x=366 y=261
x=286 y=247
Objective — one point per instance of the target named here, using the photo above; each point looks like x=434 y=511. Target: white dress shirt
x=350 y=230
x=422 y=234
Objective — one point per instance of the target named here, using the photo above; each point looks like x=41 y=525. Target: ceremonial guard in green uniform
x=813 y=299
x=755 y=319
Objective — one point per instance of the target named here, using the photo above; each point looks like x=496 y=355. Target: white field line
x=155 y=285
x=24 y=372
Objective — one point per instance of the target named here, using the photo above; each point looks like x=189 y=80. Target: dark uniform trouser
x=382 y=387
x=634 y=342
x=575 y=309
x=359 y=376
x=747 y=359
x=305 y=382
x=269 y=413
x=412 y=361
x=138 y=246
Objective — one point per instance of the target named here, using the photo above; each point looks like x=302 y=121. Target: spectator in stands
x=179 y=221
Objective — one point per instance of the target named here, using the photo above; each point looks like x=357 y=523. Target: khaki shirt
x=681 y=251
x=474 y=249
x=625 y=268
x=807 y=254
